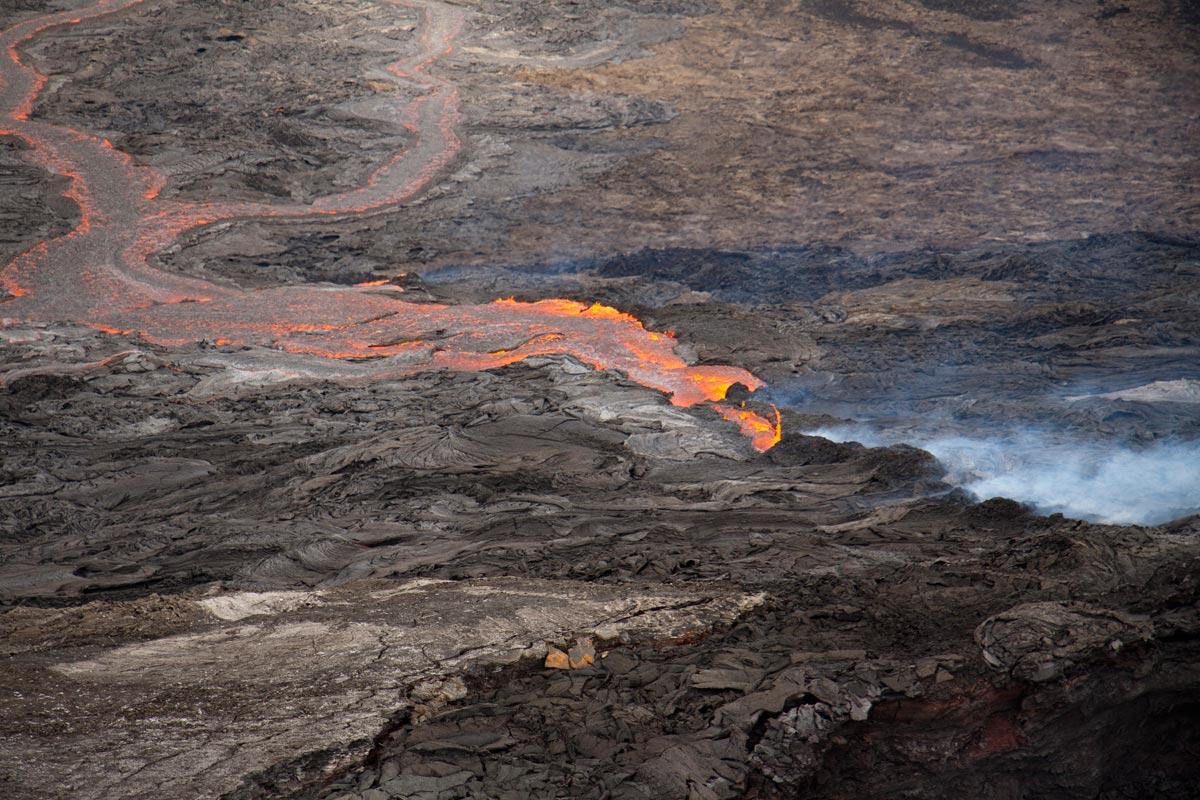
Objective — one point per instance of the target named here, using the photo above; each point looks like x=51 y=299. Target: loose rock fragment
x=580 y=655
x=557 y=659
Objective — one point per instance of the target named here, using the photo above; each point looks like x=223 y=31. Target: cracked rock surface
x=240 y=682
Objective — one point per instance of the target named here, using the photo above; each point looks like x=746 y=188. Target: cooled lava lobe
x=312 y=479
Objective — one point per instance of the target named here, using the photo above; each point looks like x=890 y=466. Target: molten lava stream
x=99 y=274
x=762 y=432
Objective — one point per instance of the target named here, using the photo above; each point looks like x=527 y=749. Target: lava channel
x=100 y=274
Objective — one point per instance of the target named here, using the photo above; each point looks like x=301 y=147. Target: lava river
x=100 y=273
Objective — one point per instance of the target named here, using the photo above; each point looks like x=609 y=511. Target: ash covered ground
x=232 y=571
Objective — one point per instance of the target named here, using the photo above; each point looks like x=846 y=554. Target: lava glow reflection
x=100 y=274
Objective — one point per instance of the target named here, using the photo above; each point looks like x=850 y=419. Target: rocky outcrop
x=246 y=681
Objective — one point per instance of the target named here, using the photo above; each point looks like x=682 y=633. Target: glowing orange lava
x=763 y=433
x=100 y=274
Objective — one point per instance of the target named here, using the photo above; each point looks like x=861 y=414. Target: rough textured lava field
x=625 y=400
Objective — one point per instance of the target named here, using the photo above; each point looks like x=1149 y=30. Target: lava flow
x=100 y=274
x=763 y=433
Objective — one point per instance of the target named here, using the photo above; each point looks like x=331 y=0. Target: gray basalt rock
x=254 y=679
x=1042 y=641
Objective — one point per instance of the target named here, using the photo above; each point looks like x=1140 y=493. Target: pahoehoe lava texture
x=227 y=570
x=594 y=126
x=301 y=132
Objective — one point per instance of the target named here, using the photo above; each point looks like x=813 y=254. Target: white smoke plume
x=1114 y=483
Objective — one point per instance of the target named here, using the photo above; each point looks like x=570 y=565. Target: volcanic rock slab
x=246 y=681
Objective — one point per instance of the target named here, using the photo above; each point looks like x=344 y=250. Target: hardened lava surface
x=356 y=358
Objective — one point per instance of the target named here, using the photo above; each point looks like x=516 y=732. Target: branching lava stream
x=99 y=274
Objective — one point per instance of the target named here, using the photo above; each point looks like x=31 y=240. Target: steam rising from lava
x=99 y=274
x=1088 y=480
